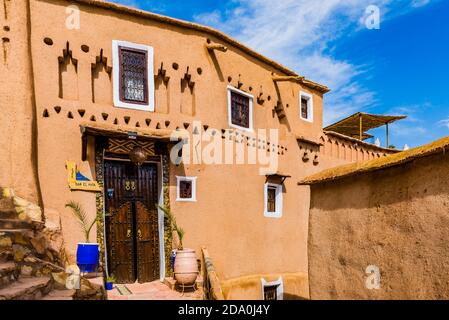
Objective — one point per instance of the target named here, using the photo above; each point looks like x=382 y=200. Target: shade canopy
x=358 y=124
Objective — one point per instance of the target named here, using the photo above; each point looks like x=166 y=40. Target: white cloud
x=299 y=34
x=419 y=3
x=444 y=123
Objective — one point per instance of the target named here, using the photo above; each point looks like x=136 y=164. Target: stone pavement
x=155 y=290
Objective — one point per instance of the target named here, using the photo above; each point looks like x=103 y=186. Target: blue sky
x=401 y=68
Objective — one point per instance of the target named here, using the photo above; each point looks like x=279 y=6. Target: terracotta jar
x=186 y=267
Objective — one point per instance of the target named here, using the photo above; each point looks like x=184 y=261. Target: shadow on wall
x=382 y=235
x=384 y=187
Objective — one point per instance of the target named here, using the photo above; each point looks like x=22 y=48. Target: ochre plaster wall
x=396 y=219
x=17 y=148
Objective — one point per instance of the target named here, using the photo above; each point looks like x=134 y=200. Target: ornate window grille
x=133 y=75
x=239 y=110
x=185 y=189
x=270 y=292
x=305 y=108
x=271 y=199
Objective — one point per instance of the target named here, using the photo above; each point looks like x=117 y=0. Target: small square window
x=273 y=200
x=272 y=290
x=306 y=106
x=240 y=106
x=186 y=189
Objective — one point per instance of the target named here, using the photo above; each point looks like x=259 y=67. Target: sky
x=399 y=68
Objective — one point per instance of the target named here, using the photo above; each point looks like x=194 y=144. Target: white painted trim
x=106 y=262
x=279 y=290
x=251 y=99
x=161 y=230
x=116 y=75
x=279 y=200
x=309 y=106
x=183 y=178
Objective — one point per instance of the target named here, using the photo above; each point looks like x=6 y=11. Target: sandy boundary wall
x=396 y=219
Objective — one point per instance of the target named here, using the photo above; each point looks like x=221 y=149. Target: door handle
x=128 y=233
x=139 y=234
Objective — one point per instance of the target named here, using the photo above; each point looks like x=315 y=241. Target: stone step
x=15 y=224
x=6 y=255
x=14 y=231
x=60 y=295
x=6 y=204
x=27 y=289
x=8 y=273
x=8 y=213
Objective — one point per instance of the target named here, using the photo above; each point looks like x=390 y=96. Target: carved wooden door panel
x=132 y=236
x=147 y=224
x=119 y=221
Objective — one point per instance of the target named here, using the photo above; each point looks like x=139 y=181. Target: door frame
x=165 y=236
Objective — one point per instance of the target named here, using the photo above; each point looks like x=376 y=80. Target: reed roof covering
x=392 y=160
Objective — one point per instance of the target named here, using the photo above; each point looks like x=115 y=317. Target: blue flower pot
x=109 y=285
x=87 y=255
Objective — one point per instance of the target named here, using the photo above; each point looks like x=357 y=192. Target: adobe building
x=378 y=230
x=86 y=83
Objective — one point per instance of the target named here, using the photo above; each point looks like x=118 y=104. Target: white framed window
x=186 y=189
x=133 y=76
x=273 y=290
x=306 y=106
x=273 y=200
x=240 y=109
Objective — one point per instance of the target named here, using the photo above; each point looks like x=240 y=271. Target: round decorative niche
x=137 y=156
x=48 y=41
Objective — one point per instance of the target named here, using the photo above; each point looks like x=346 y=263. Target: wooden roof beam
x=216 y=46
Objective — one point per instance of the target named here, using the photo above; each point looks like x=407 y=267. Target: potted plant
x=110 y=282
x=185 y=265
x=87 y=254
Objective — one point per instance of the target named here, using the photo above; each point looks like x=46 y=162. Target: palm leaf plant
x=80 y=214
x=172 y=219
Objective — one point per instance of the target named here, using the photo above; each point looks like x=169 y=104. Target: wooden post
x=387 y=134
x=361 y=127
x=218 y=47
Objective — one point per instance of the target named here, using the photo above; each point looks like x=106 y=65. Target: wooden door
x=132 y=238
x=147 y=224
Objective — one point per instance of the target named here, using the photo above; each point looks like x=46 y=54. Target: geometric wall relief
x=125 y=146
x=162 y=91
x=68 y=75
x=5 y=39
x=6 y=47
x=101 y=80
x=6 y=8
x=187 y=94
